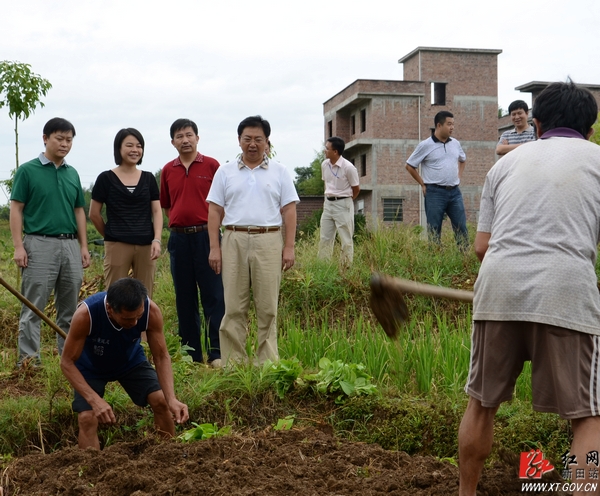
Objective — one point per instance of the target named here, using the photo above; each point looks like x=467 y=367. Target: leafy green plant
x=285 y=374
x=203 y=431
x=336 y=376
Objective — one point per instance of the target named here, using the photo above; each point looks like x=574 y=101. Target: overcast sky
x=142 y=64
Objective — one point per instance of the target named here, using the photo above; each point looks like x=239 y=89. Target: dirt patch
x=21 y=382
x=300 y=462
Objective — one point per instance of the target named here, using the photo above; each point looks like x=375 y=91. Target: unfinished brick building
x=383 y=121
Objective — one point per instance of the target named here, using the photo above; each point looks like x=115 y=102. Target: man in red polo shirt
x=184 y=185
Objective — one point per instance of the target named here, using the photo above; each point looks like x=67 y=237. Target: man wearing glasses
x=253 y=197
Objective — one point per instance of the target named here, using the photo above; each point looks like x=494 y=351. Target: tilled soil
x=301 y=462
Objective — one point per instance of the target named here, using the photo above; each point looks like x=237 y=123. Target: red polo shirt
x=184 y=192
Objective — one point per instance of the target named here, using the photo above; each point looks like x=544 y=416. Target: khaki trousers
x=250 y=261
x=120 y=257
x=337 y=215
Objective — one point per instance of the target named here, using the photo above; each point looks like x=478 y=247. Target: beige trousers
x=250 y=261
x=120 y=257
x=337 y=215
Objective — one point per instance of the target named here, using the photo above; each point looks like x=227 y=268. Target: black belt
x=190 y=229
x=334 y=198
x=253 y=229
x=57 y=236
x=441 y=186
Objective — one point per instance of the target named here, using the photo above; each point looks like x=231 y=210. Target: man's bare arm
x=481 y=244
x=16 y=231
x=78 y=332
x=82 y=236
x=417 y=177
x=162 y=361
x=461 y=169
x=215 y=217
x=503 y=148
x=288 y=257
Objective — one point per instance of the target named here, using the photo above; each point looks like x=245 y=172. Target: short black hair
x=337 y=144
x=518 y=104
x=441 y=117
x=255 y=121
x=126 y=294
x=57 y=124
x=121 y=135
x=565 y=105
x=182 y=124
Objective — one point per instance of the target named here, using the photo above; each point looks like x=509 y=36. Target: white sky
x=142 y=64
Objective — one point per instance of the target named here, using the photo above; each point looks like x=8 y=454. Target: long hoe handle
x=35 y=309
x=407 y=286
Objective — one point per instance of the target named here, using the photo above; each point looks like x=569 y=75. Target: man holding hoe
x=536 y=297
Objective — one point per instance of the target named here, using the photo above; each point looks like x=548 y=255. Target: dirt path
x=300 y=462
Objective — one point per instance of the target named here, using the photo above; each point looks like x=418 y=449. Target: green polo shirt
x=50 y=195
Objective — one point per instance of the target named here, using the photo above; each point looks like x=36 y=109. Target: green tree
x=21 y=91
x=595 y=138
x=308 y=179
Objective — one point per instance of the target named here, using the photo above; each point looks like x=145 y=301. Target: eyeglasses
x=247 y=140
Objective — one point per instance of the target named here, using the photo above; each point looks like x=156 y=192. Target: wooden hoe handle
x=407 y=286
x=35 y=309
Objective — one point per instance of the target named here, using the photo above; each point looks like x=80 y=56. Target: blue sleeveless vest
x=110 y=351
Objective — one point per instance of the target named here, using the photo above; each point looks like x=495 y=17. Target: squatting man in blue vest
x=103 y=345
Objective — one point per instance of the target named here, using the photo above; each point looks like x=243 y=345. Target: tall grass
x=323 y=312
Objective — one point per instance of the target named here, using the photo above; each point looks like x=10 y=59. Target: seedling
x=203 y=431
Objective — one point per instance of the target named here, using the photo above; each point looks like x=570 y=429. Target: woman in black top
x=132 y=232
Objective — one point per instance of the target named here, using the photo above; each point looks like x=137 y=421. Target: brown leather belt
x=253 y=229
x=190 y=229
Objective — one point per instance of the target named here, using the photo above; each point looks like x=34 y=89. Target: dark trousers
x=191 y=272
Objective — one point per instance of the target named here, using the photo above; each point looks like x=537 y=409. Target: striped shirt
x=515 y=138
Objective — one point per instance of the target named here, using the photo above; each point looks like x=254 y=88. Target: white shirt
x=540 y=203
x=339 y=177
x=252 y=197
x=439 y=160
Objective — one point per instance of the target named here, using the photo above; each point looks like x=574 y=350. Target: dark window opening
x=363 y=165
x=363 y=120
x=392 y=209
x=438 y=93
x=329 y=129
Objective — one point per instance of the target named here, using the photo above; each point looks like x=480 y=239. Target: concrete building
x=383 y=121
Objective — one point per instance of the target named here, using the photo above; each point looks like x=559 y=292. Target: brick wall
x=400 y=113
x=308 y=204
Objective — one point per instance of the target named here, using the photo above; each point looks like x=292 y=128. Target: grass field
x=415 y=406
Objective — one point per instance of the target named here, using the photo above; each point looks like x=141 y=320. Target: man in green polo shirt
x=47 y=205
